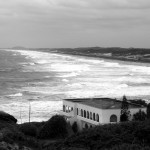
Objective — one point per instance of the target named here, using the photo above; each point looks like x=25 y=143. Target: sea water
x=42 y=80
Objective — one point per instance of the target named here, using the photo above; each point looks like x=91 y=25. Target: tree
x=139 y=116
x=148 y=111
x=28 y=129
x=125 y=113
x=86 y=126
x=139 y=101
x=55 y=127
x=75 y=127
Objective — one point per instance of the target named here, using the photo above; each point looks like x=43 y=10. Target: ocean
x=42 y=80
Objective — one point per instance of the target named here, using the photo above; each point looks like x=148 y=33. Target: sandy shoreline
x=109 y=59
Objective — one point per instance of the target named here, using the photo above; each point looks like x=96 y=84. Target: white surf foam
x=16 y=95
x=65 y=80
x=83 y=77
x=72 y=74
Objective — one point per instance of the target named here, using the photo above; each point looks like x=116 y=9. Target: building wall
x=106 y=113
x=82 y=121
x=70 y=105
x=90 y=109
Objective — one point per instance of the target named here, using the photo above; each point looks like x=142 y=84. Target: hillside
x=122 y=136
x=125 y=54
x=133 y=135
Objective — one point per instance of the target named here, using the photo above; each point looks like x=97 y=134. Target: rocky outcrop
x=7 y=117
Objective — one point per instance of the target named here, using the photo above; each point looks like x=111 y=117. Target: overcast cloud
x=75 y=23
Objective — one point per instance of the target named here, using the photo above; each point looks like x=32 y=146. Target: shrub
x=129 y=147
x=55 y=127
x=70 y=132
x=7 y=117
x=108 y=136
x=148 y=111
x=139 y=116
x=10 y=135
x=139 y=102
x=29 y=129
x=75 y=127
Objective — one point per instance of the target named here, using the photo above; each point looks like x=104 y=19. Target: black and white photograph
x=74 y=74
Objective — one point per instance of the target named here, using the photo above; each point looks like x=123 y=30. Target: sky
x=75 y=23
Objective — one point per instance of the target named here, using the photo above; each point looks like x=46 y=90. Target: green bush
x=39 y=125
x=54 y=128
x=108 y=136
x=139 y=102
x=7 y=117
x=75 y=127
x=11 y=135
x=129 y=147
x=139 y=116
x=29 y=129
x=148 y=111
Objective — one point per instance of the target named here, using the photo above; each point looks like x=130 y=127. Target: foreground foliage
x=139 y=116
x=29 y=129
x=54 y=128
x=112 y=135
x=129 y=147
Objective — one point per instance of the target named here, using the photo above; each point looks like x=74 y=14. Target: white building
x=95 y=111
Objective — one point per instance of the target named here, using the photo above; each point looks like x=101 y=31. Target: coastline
x=110 y=59
x=91 y=55
x=69 y=84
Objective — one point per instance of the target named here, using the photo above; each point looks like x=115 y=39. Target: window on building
x=88 y=115
x=84 y=114
x=113 y=118
x=97 y=117
x=77 y=111
x=71 y=108
x=94 y=116
x=91 y=115
x=64 y=108
x=81 y=112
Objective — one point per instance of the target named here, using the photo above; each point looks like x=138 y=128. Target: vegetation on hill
x=139 y=116
x=139 y=102
x=118 y=53
x=112 y=136
x=125 y=54
x=7 y=117
x=57 y=134
x=56 y=127
x=148 y=111
x=28 y=129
